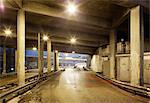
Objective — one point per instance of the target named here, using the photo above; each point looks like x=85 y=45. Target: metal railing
x=137 y=90
x=30 y=83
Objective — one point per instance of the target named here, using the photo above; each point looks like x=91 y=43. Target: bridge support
x=4 y=59
x=39 y=56
x=112 y=42
x=21 y=46
x=49 y=56
x=137 y=41
x=56 y=60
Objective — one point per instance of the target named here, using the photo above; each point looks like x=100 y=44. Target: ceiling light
x=73 y=52
x=8 y=32
x=71 y=8
x=56 y=51
x=73 y=40
x=45 y=37
x=34 y=48
x=122 y=40
x=1 y=4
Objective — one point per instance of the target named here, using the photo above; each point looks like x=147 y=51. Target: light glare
x=56 y=51
x=71 y=8
x=1 y=4
x=8 y=32
x=73 y=40
x=34 y=48
x=45 y=37
x=66 y=54
x=73 y=52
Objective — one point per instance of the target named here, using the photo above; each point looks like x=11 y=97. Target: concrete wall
x=95 y=63
x=106 y=67
x=123 y=68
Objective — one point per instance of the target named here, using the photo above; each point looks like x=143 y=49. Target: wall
x=123 y=68
x=95 y=63
x=106 y=67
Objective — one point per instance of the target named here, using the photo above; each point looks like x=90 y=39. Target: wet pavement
x=78 y=87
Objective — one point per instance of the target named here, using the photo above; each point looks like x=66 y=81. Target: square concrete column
x=89 y=61
x=137 y=41
x=49 y=56
x=4 y=59
x=16 y=60
x=100 y=59
x=21 y=46
x=56 y=61
x=112 y=42
x=39 y=55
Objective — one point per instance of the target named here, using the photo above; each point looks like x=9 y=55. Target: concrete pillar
x=100 y=59
x=56 y=61
x=42 y=56
x=49 y=56
x=21 y=46
x=88 y=61
x=16 y=60
x=95 y=63
x=39 y=55
x=137 y=41
x=112 y=42
x=4 y=59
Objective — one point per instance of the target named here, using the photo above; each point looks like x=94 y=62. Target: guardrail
x=137 y=90
x=8 y=95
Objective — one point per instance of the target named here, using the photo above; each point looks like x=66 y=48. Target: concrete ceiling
x=91 y=25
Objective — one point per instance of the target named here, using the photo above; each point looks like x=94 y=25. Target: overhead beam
x=59 y=46
x=38 y=8
x=13 y=4
x=92 y=35
x=58 y=32
x=65 y=47
x=77 y=49
x=121 y=18
x=18 y=2
x=68 y=33
x=61 y=40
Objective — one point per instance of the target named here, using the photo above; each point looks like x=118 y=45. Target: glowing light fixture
x=56 y=51
x=122 y=40
x=34 y=48
x=73 y=52
x=8 y=32
x=71 y=8
x=73 y=40
x=66 y=54
x=45 y=37
x=1 y=4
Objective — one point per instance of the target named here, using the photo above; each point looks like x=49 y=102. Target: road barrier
x=137 y=90
x=30 y=83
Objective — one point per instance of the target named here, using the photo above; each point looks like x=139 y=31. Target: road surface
x=78 y=87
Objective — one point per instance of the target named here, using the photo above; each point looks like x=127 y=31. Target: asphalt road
x=78 y=87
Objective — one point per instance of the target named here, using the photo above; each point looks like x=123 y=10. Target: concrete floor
x=78 y=87
x=13 y=78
